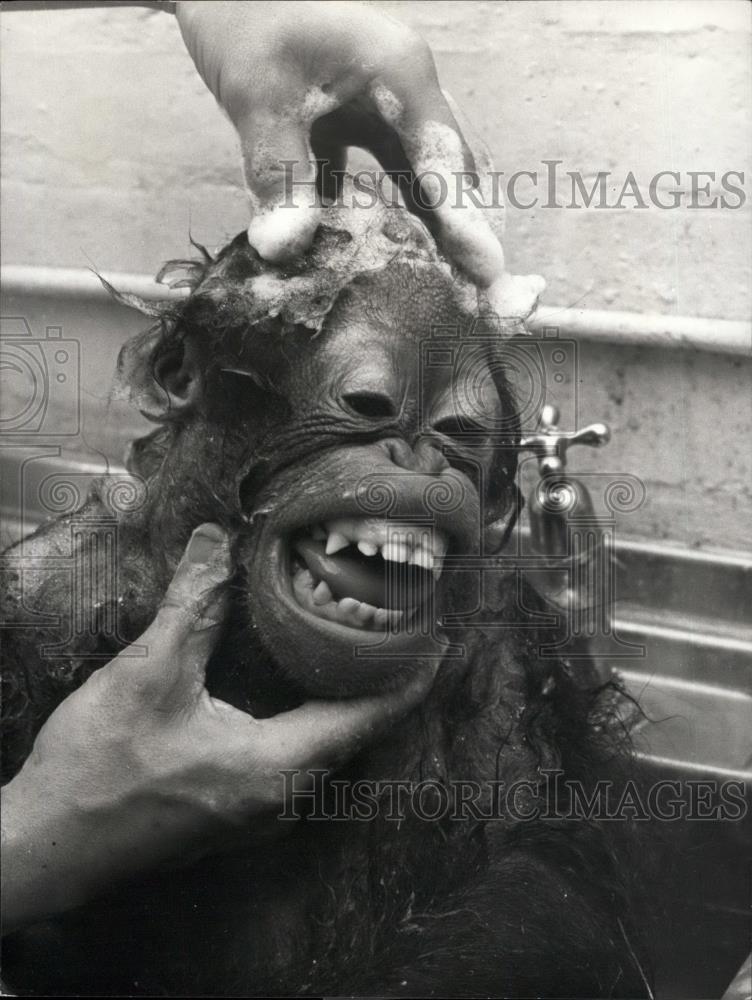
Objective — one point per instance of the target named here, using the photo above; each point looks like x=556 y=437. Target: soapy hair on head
x=237 y=290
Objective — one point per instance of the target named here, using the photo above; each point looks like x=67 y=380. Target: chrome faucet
x=557 y=498
x=574 y=544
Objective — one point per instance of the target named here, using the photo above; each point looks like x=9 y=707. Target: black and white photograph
x=376 y=498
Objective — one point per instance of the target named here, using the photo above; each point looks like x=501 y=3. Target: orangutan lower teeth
x=316 y=597
x=370 y=584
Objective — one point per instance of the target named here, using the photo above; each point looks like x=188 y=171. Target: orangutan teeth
x=422 y=557
x=365 y=613
x=347 y=605
x=316 y=598
x=335 y=542
x=394 y=550
x=400 y=543
x=381 y=618
x=322 y=594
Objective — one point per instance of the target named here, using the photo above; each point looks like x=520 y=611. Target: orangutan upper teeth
x=335 y=542
x=403 y=543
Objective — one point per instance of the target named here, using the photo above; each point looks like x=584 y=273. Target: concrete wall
x=113 y=150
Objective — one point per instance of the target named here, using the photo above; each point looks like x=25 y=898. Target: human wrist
x=43 y=870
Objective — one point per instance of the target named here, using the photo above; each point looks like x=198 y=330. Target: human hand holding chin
x=141 y=767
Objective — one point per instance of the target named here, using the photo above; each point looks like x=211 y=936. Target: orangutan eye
x=373 y=405
x=460 y=428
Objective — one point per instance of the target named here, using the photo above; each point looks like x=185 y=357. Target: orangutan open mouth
x=366 y=573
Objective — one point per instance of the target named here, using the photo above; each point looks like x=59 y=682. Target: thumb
x=280 y=176
x=180 y=639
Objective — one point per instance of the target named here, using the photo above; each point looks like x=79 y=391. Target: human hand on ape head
x=140 y=767
x=302 y=81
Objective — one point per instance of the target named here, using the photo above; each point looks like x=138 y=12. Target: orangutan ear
x=164 y=383
x=177 y=374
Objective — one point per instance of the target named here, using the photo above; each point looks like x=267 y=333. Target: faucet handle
x=550 y=445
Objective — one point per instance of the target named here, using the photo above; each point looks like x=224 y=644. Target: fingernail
x=206 y=543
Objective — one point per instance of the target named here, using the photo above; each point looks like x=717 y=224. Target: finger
x=280 y=177
x=485 y=185
x=180 y=639
x=324 y=734
x=513 y=297
x=411 y=100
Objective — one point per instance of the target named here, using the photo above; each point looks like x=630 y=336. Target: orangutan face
x=366 y=463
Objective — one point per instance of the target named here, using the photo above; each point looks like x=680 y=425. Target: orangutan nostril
x=372 y=405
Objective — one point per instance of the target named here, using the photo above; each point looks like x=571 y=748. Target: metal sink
x=692 y=613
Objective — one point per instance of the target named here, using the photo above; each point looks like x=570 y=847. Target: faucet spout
x=565 y=530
